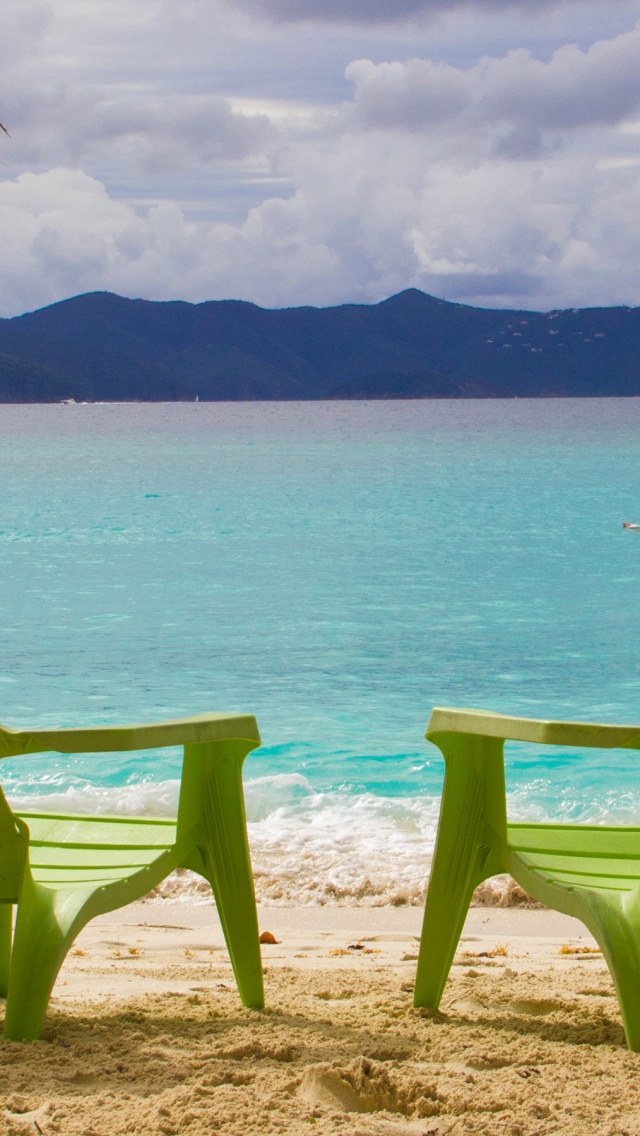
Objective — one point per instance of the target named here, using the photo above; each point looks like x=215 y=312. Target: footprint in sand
x=366 y=1086
x=22 y=1121
x=465 y=1006
x=536 y=1007
x=326 y=1086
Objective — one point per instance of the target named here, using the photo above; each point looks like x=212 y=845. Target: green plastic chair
x=588 y=871
x=61 y=871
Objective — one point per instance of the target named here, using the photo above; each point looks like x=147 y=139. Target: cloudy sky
x=321 y=151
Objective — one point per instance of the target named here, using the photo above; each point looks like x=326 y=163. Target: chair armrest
x=544 y=731
x=152 y=735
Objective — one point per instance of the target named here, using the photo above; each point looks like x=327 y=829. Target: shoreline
x=548 y=396
x=145 y=1032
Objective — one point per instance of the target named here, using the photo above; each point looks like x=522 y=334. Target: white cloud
x=149 y=133
x=61 y=234
x=23 y=29
x=411 y=95
x=495 y=233
x=573 y=89
x=382 y=11
x=106 y=85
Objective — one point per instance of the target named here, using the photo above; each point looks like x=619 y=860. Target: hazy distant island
x=102 y=347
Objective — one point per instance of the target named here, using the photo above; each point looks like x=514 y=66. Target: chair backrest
x=472 y=744
x=109 y=739
x=595 y=735
x=239 y=732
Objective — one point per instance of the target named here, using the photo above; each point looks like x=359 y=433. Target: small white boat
x=629 y=525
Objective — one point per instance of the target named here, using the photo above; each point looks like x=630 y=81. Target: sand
x=145 y=1032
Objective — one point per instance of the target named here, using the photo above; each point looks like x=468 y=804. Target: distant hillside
x=101 y=347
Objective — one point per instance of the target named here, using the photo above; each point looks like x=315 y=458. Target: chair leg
x=614 y=920
x=6 y=918
x=227 y=866
x=469 y=848
x=451 y=888
x=46 y=925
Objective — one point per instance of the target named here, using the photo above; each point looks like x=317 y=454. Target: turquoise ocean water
x=336 y=569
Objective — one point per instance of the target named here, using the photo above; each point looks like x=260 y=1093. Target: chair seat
x=65 y=851
x=574 y=855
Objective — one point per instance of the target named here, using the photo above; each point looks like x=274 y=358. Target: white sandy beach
x=145 y=1033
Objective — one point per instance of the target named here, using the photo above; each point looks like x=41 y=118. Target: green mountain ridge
x=103 y=347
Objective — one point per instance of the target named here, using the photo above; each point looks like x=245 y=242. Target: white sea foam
x=324 y=847
x=143 y=798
